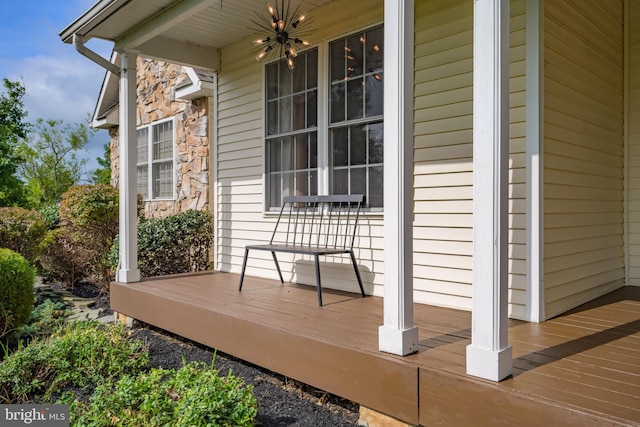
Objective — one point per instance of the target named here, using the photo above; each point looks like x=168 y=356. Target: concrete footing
x=371 y=418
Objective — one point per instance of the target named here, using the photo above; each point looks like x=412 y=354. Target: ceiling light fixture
x=284 y=37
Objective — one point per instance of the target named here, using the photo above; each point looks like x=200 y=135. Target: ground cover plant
x=102 y=372
x=194 y=395
x=78 y=356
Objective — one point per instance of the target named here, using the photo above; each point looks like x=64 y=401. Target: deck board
x=578 y=369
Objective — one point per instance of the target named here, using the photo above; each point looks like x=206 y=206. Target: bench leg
x=273 y=254
x=355 y=268
x=244 y=266
x=317 y=257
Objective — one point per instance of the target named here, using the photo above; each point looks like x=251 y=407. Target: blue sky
x=60 y=83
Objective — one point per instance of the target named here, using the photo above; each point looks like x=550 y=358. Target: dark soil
x=281 y=401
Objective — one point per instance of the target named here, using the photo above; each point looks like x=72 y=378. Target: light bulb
x=299 y=21
x=271 y=10
x=281 y=25
x=262 y=41
x=262 y=54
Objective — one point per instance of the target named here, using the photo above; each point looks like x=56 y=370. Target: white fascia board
x=99 y=12
x=197 y=88
x=109 y=95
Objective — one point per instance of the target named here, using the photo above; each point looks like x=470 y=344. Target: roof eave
x=97 y=14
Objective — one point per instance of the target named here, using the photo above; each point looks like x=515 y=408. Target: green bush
x=63 y=257
x=16 y=290
x=176 y=244
x=22 y=230
x=93 y=206
x=51 y=215
x=45 y=319
x=80 y=248
x=80 y=355
x=195 y=395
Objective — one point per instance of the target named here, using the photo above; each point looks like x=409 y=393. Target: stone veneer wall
x=157 y=81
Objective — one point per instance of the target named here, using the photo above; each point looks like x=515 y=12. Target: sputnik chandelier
x=284 y=35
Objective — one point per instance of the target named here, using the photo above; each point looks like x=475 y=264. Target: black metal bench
x=314 y=225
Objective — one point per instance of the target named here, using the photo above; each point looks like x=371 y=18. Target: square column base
x=128 y=276
x=489 y=364
x=398 y=341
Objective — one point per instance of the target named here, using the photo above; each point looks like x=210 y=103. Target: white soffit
x=205 y=23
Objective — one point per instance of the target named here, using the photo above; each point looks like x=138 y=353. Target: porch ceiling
x=183 y=31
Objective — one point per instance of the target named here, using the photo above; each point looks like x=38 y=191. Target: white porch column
x=128 y=267
x=535 y=311
x=398 y=335
x=489 y=355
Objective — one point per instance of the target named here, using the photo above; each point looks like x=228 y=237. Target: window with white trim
x=155 y=160
x=349 y=157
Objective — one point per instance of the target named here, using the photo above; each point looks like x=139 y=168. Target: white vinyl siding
x=633 y=141
x=443 y=233
x=583 y=155
x=240 y=192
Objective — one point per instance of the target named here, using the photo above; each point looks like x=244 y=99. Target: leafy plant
x=102 y=175
x=45 y=318
x=51 y=215
x=195 y=395
x=80 y=247
x=80 y=355
x=176 y=244
x=51 y=163
x=62 y=257
x=22 y=231
x=16 y=290
x=13 y=128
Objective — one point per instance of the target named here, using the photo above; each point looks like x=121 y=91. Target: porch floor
x=578 y=369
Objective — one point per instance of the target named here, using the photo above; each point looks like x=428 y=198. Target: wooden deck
x=579 y=369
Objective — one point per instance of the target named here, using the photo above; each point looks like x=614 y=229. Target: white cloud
x=64 y=87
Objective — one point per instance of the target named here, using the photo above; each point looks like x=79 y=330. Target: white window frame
x=149 y=161
x=323 y=125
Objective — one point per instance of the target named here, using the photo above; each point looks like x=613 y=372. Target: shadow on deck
x=578 y=369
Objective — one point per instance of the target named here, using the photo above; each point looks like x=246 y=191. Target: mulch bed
x=281 y=401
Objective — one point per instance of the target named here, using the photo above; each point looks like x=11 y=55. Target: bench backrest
x=318 y=221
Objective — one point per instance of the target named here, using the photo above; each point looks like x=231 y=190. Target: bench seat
x=315 y=226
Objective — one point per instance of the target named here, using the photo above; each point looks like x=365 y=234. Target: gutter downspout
x=88 y=53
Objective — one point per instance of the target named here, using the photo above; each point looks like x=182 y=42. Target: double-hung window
x=355 y=115
x=155 y=160
x=292 y=128
x=345 y=157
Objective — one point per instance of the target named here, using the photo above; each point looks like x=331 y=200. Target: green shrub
x=22 y=230
x=45 y=319
x=176 y=244
x=93 y=206
x=80 y=355
x=195 y=395
x=16 y=290
x=63 y=258
x=51 y=215
x=80 y=248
